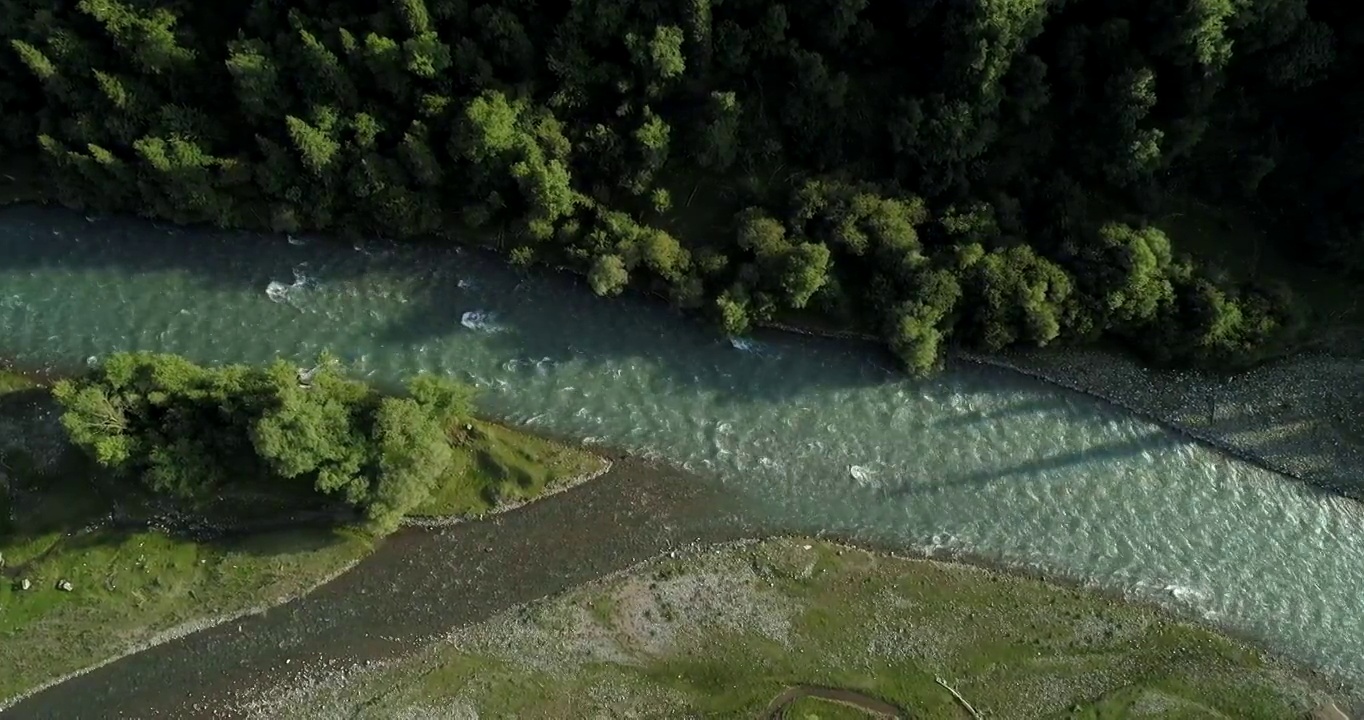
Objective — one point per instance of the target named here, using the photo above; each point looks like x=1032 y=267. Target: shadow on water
x=1025 y=408
x=552 y=316
x=1043 y=468
x=1246 y=432
x=543 y=314
x=45 y=236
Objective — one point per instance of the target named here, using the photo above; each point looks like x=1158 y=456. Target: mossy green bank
x=724 y=632
x=131 y=583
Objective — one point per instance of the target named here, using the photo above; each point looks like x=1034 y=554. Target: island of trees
x=970 y=172
x=198 y=435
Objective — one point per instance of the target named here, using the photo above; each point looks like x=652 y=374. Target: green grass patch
x=496 y=465
x=809 y=708
x=11 y=381
x=129 y=585
x=724 y=633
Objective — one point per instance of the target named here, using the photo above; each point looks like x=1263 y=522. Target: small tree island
x=316 y=438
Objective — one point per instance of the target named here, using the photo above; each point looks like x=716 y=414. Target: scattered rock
x=25 y=584
x=64 y=586
x=1263 y=415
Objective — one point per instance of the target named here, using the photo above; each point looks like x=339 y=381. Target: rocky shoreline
x=1294 y=417
x=1301 y=417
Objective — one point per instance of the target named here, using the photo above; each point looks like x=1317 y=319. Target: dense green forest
x=969 y=171
x=196 y=435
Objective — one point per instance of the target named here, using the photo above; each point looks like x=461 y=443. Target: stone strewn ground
x=721 y=631
x=1303 y=417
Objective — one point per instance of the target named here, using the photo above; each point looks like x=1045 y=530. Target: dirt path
x=417 y=586
x=877 y=707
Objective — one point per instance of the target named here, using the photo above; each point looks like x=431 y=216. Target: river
x=803 y=435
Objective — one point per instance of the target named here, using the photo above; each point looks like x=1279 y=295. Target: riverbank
x=1301 y=416
x=83 y=582
x=722 y=630
x=519 y=466
x=412 y=590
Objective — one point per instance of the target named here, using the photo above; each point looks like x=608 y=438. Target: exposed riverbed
x=802 y=435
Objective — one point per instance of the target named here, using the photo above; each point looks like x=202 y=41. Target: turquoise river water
x=809 y=435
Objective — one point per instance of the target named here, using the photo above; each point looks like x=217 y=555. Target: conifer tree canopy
x=747 y=158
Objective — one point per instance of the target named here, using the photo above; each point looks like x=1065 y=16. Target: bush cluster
x=194 y=433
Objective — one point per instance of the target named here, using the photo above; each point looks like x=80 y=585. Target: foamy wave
x=753 y=347
x=280 y=292
x=1181 y=593
x=481 y=321
x=277 y=291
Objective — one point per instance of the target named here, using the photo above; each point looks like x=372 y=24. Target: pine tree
x=315 y=149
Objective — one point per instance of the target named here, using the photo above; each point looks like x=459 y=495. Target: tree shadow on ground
x=1307 y=449
x=1302 y=417
x=75 y=506
x=496 y=473
x=66 y=505
x=79 y=586
x=1296 y=428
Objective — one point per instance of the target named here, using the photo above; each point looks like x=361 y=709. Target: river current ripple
x=805 y=435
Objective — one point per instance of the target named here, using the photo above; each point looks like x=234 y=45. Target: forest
x=971 y=173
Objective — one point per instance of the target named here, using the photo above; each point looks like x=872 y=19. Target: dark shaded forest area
x=973 y=172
